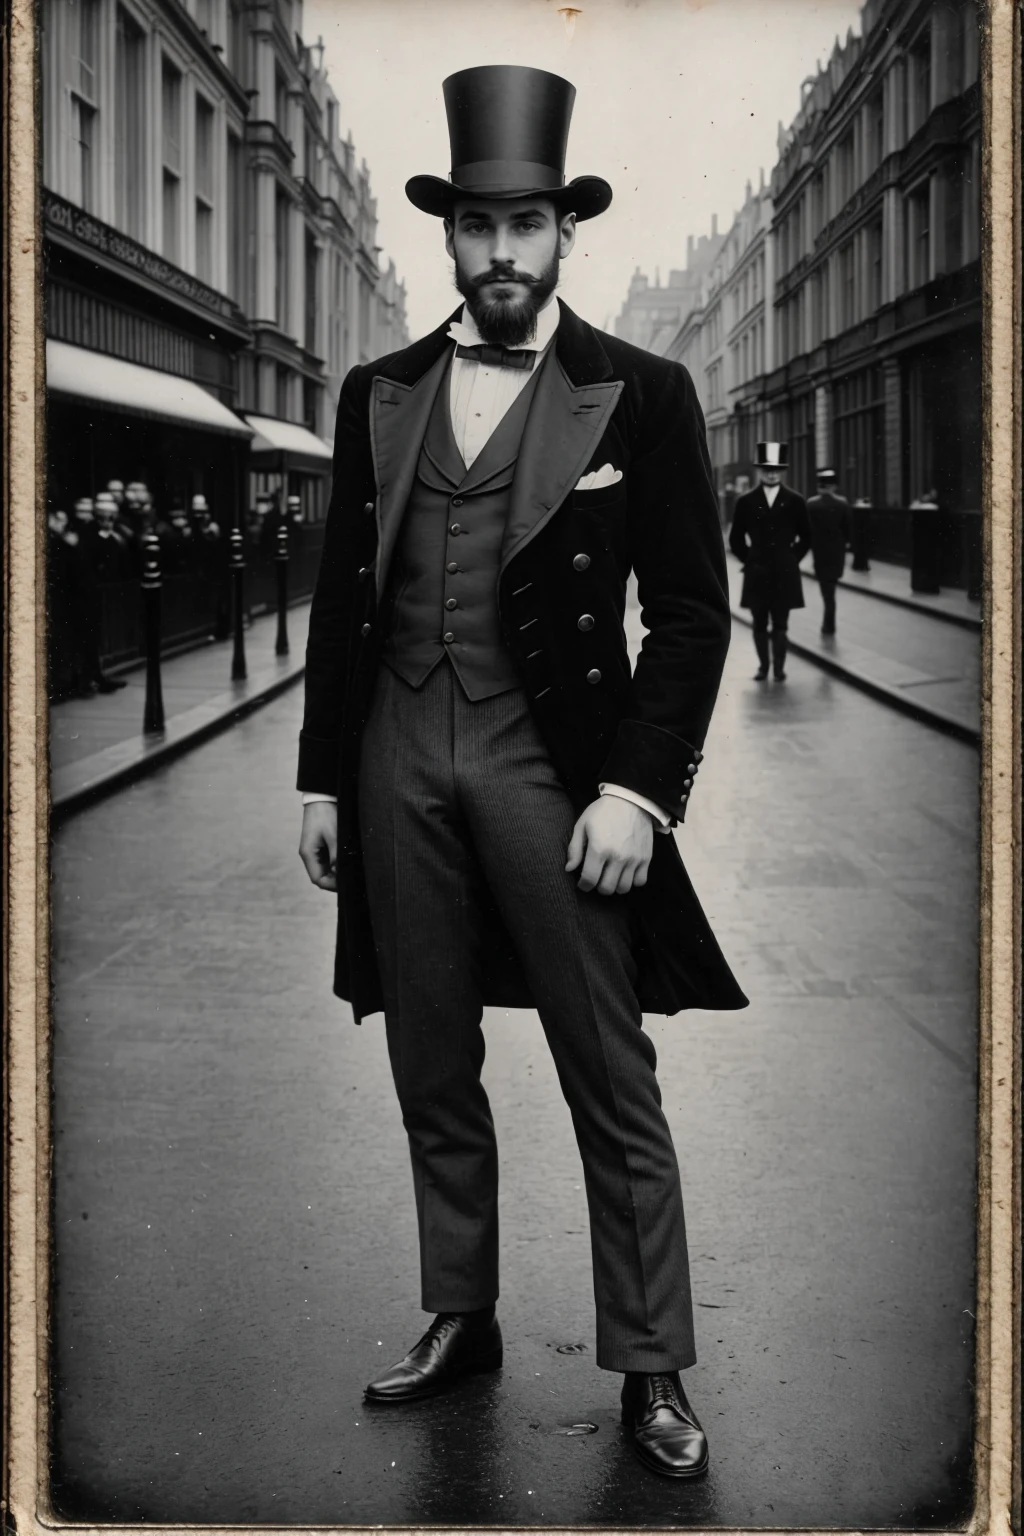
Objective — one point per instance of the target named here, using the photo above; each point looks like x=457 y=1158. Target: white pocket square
x=599 y=478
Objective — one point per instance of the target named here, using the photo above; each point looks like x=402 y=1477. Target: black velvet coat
x=771 y=541
x=566 y=553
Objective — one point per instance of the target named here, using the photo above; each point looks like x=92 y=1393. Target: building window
x=847 y=285
x=312 y=276
x=332 y=121
x=918 y=239
x=83 y=20
x=874 y=132
x=281 y=222
x=858 y=425
x=844 y=172
x=875 y=247
x=281 y=393
x=281 y=102
x=236 y=219
x=310 y=404
x=204 y=190
x=204 y=16
x=170 y=94
x=309 y=156
x=130 y=125
x=919 y=80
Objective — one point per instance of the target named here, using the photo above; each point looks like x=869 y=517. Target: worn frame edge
x=997 y=1451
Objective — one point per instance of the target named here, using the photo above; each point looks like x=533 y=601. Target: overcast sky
x=678 y=103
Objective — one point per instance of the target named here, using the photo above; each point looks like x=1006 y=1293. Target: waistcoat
x=443 y=585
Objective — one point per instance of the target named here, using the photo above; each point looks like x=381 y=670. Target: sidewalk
x=905 y=655
x=891 y=584
x=97 y=745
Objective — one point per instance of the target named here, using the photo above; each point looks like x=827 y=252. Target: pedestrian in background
x=831 y=532
x=770 y=535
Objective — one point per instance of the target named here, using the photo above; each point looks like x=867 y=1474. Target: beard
x=506 y=322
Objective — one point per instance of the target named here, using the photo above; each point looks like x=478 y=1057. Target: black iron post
x=281 y=560
x=860 y=542
x=153 y=716
x=237 y=565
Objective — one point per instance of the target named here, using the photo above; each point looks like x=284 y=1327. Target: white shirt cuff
x=663 y=822
x=312 y=799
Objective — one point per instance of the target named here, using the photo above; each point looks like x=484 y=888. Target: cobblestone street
x=235 y=1231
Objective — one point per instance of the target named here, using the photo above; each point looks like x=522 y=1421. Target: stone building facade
x=842 y=311
x=207 y=226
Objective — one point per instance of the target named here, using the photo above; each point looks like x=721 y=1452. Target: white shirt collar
x=464 y=332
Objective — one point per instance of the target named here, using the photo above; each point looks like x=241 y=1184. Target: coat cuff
x=319 y=762
x=654 y=763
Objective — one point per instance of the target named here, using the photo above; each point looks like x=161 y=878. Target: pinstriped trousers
x=457 y=800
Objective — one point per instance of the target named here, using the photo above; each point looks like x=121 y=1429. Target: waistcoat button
x=455 y=528
x=451 y=603
x=594 y=675
x=448 y=637
x=367 y=628
x=368 y=508
x=452 y=567
x=585 y=621
x=456 y=501
x=580 y=562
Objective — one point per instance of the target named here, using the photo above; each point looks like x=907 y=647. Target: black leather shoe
x=666 y=1432
x=450 y=1349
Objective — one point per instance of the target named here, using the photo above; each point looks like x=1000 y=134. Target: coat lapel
x=571 y=408
x=399 y=414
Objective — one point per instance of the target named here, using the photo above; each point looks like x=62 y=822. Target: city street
x=235 y=1232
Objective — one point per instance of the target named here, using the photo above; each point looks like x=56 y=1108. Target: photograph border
x=27 y=1029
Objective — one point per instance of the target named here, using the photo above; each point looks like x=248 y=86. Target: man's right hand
x=318 y=845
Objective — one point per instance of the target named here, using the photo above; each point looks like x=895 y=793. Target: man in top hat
x=770 y=535
x=487 y=786
x=831 y=532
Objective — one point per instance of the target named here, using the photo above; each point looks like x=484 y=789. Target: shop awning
x=96 y=379
x=285 y=445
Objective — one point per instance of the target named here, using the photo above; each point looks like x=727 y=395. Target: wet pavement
x=235 y=1234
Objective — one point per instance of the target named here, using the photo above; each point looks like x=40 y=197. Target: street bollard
x=281 y=559
x=153 y=715
x=237 y=566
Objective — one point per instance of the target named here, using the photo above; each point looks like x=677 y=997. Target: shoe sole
x=479 y=1367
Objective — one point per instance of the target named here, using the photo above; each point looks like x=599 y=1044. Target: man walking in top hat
x=770 y=535
x=484 y=779
x=831 y=531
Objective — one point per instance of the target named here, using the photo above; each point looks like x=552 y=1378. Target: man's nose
x=501 y=249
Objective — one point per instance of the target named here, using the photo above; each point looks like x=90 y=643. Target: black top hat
x=772 y=455
x=508 y=128
x=826 y=474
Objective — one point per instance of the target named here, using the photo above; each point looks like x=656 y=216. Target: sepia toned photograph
x=518 y=589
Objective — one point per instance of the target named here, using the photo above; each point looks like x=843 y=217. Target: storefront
x=288 y=460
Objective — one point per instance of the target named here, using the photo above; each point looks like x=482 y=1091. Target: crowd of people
x=103 y=543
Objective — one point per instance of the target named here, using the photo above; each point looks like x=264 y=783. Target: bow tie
x=498 y=357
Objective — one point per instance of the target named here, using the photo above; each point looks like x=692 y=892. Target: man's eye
x=527 y=226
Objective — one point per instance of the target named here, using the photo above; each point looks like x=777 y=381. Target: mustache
x=502 y=274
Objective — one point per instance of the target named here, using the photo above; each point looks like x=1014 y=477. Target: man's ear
x=449 y=237
x=566 y=234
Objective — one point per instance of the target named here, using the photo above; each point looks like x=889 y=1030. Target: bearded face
x=507 y=257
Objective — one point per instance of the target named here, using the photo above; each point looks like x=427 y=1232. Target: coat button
x=448 y=637
x=368 y=508
x=364 y=571
x=366 y=629
x=698 y=757
x=585 y=621
x=451 y=603
x=691 y=767
x=580 y=562
x=687 y=783
x=456 y=501
x=452 y=567
x=594 y=675
x=455 y=528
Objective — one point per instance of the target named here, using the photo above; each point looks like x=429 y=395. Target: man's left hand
x=613 y=840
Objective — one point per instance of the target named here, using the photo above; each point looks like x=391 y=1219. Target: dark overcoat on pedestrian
x=566 y=553
x=770 y=541
x=831 y=530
